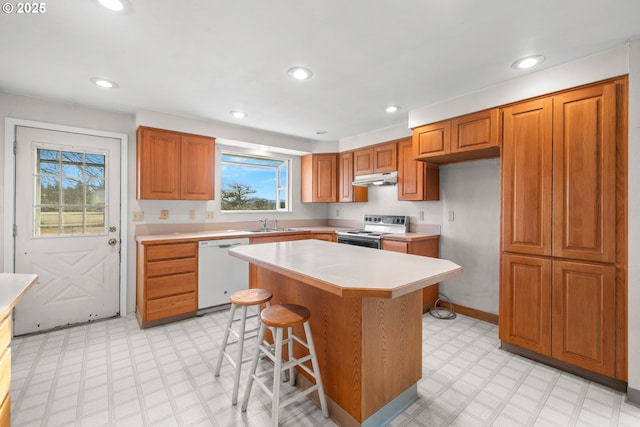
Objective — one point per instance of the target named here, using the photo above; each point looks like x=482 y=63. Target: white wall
x=471 y=190
x=634 y=221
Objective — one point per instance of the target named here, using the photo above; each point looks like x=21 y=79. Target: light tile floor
x=111 y=373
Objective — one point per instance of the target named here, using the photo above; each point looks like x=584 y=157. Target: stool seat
x=284 y=315
x=250 y=297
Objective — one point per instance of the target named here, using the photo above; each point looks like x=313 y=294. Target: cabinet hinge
x=15 y=147
x=15 y=230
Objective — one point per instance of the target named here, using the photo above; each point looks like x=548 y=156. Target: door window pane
x=70 y=196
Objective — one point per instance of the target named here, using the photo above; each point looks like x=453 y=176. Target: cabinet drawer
x=159 y=287
x=171 y=306
x=174 y=266
x=5 y=372
x=178 y=250
x=5 y=412
x=5 y=333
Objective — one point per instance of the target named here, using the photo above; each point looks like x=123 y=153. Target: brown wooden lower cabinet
x=167 y=283
x=561 y=309
x=5 y=371
x=430 y=248
x=5 y=411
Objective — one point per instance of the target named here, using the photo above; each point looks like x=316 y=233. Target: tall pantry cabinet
x=562 y=285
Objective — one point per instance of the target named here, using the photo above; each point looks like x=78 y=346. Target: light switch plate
x=164 y=214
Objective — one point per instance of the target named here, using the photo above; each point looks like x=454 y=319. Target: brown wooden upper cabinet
x=174 y=165
x=375 y=159
x=416 y=180
x=319 y=178
x=346 y=191
x=559 y=175
x=470 y=137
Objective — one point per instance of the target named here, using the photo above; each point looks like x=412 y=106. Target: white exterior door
x=67 y=215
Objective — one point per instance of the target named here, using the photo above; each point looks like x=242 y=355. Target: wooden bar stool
x=278 y=317
x=243 y=299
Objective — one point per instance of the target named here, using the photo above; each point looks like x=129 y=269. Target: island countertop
x=12 y=288
x=349 y=271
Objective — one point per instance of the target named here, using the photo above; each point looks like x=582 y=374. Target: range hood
x=376 y=179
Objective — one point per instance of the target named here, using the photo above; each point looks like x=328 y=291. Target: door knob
x=113 y=242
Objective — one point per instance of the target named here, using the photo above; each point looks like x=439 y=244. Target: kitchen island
x=366 y=318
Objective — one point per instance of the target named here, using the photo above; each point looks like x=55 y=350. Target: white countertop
x=218 y=234
x=12 y=289
x=348 y=270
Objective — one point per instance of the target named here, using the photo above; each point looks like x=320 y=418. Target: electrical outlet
x=210 y=214
x=451 y=216
x=137 y=216
x=164 y=214
x=421 y=215
x=337 y=212
x=192 y=214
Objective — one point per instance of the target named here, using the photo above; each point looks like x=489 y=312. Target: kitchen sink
x=272 y=230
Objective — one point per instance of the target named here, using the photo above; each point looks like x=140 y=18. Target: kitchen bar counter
x=349 y=271
x=12 y=289
x=366 y=318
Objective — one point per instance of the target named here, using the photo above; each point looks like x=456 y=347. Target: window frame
x=280 y=186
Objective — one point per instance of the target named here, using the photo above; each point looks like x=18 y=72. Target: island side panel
x=337 y=334
x=392 y=331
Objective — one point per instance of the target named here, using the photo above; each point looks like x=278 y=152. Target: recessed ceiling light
x=238 y=114
x=300 y=73
x=115 y=5
x=392 y=108
x=321 y=132
x=107 y=84
x=527 y=62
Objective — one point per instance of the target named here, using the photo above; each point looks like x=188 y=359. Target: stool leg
x=254 y=366
x=316 y=370
x=292 y=370
x=277 y=370
x=236 y=374
x=225 y=339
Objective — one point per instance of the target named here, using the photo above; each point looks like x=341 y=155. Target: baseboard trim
x=613 y=383
x=633 y=396
x=470 y=312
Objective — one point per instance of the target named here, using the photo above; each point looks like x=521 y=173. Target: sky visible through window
x=260 y=175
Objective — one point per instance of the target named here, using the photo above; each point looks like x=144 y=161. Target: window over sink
x=254 y=182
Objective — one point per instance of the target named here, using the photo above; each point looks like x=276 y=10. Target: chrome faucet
x=264 y=223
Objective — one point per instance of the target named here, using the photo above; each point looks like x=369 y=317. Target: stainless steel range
x=375 y=226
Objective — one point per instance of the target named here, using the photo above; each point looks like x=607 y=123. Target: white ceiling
x=204 y=58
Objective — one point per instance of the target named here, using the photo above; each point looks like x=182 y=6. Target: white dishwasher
x=220 y=274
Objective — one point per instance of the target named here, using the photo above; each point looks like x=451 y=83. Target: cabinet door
x=197 y=165
x=584 y=315
x=346 y=191
x=527 y=171
x=385 y=157
x=319 y=178
x=584 y=159
x=363 y=161
x=416 y=180
x=158 y=171
x=432 y=140
x=525 y=302
x=475 y=131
